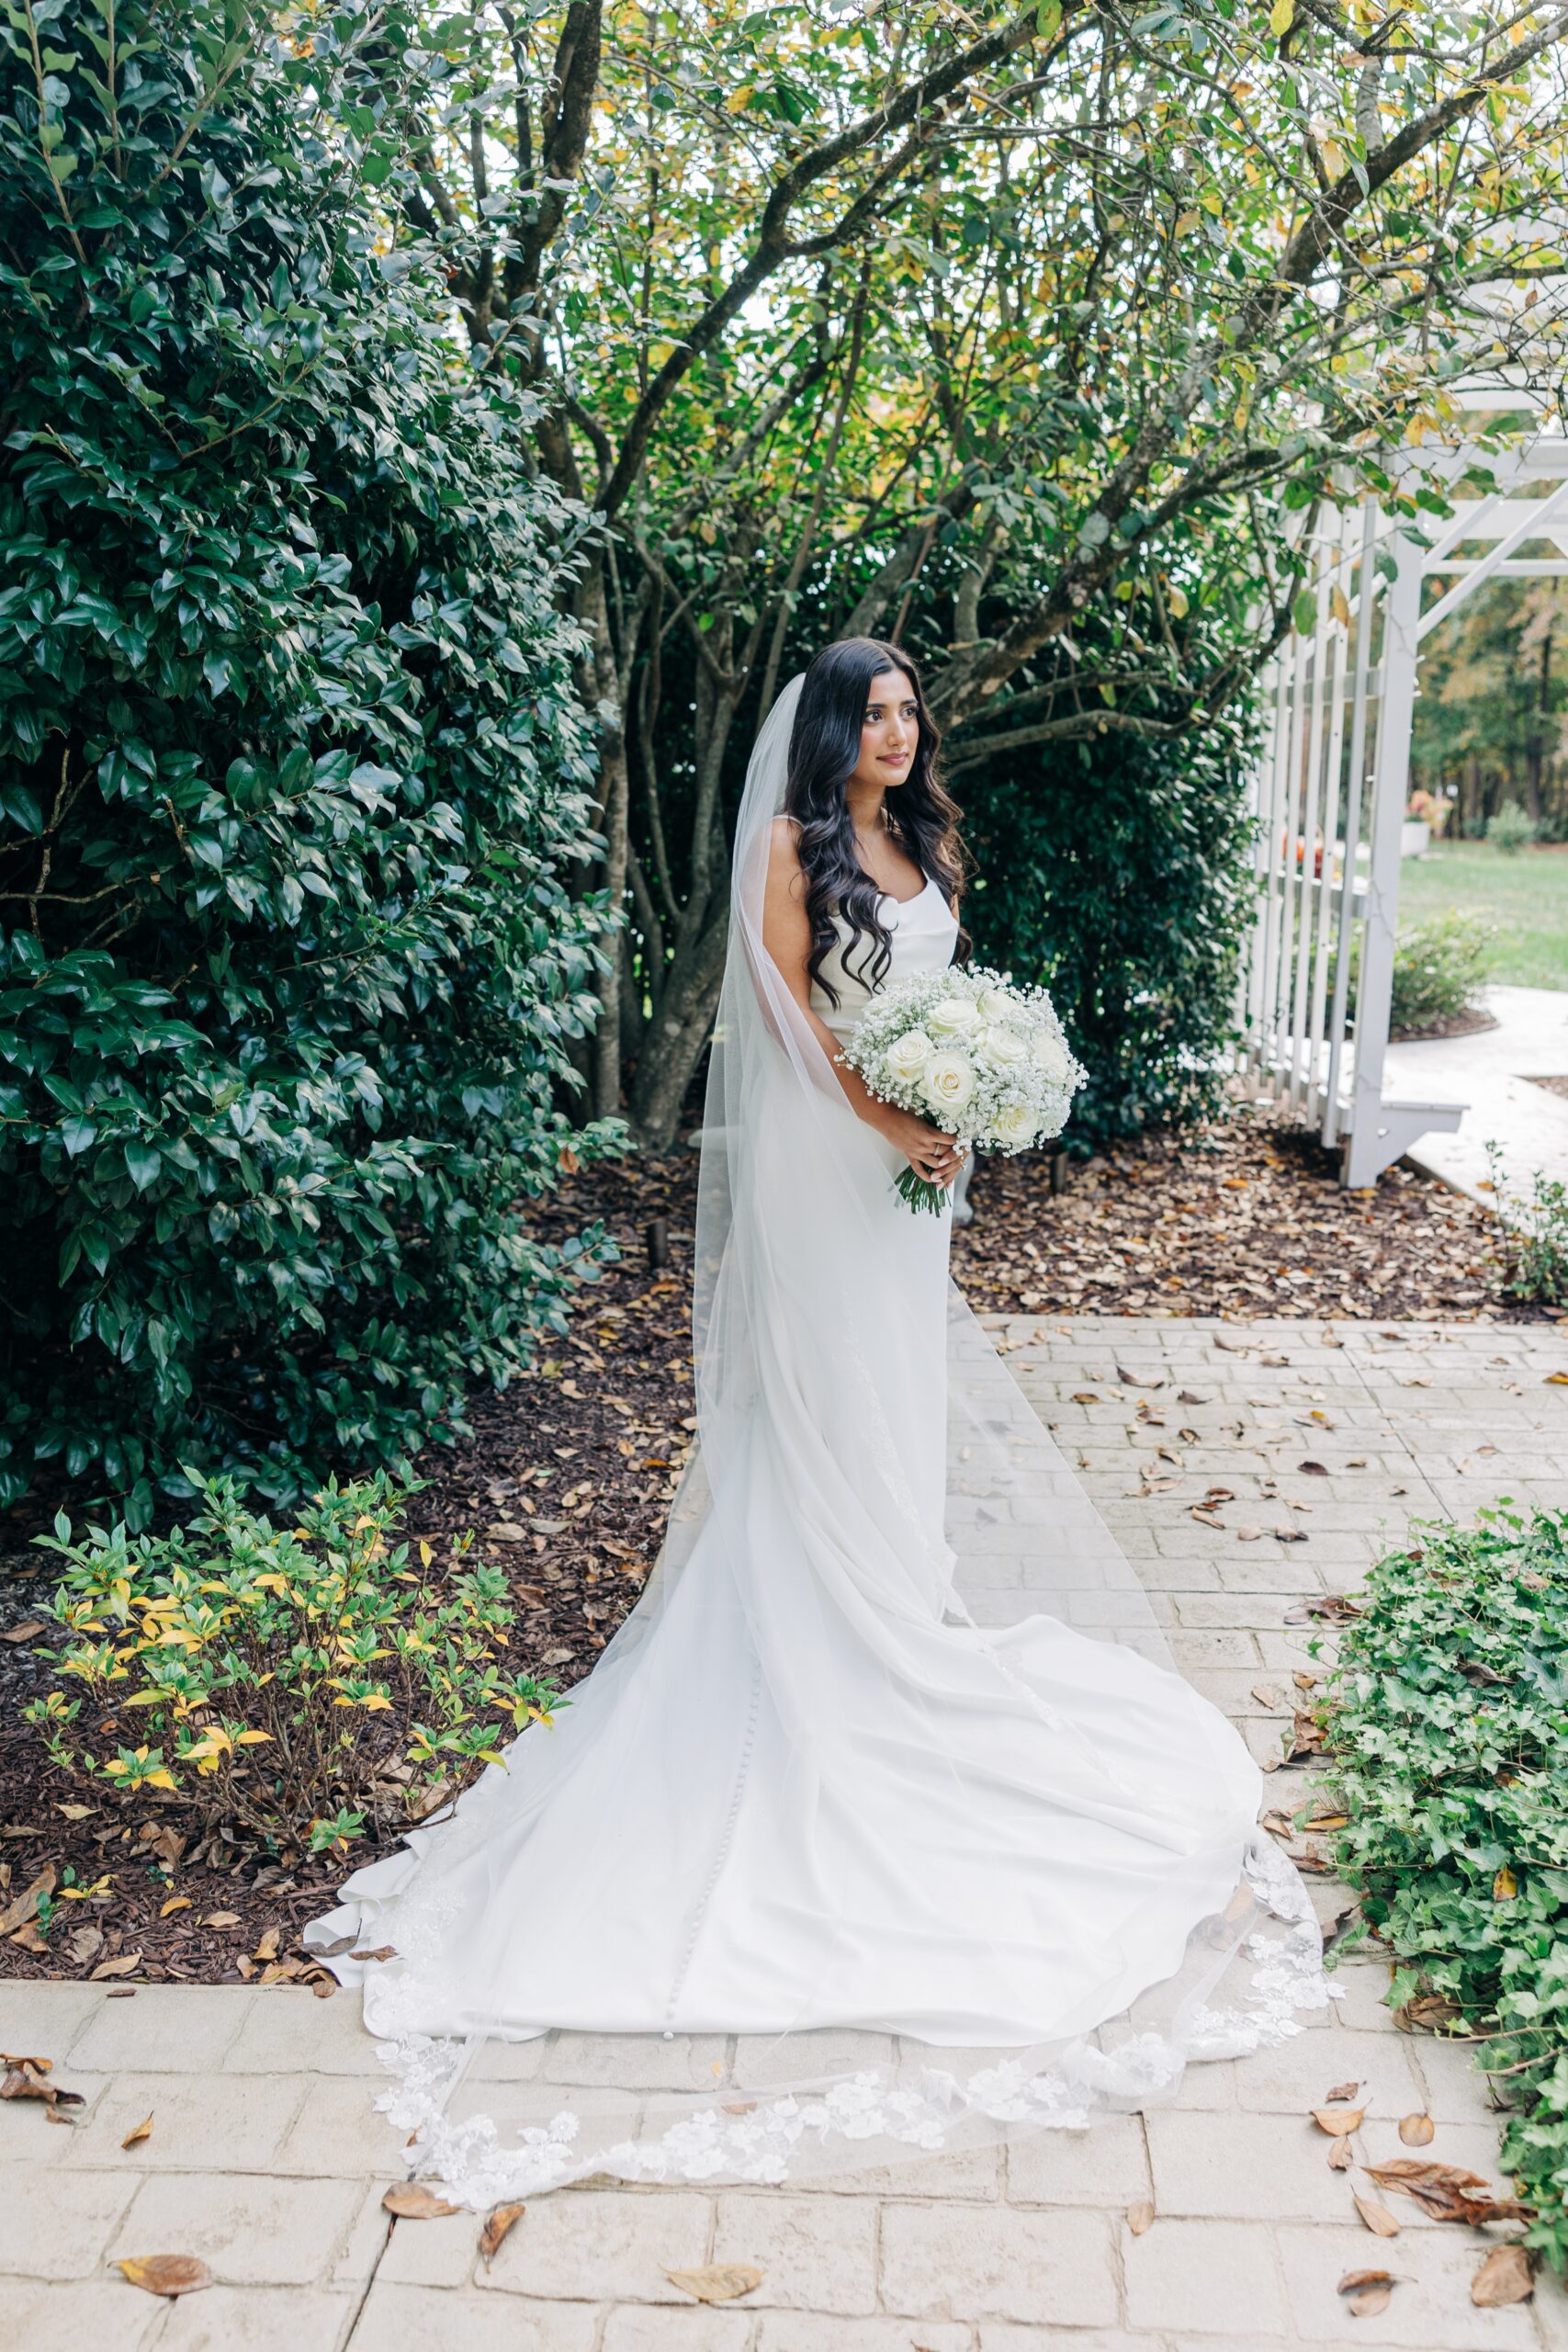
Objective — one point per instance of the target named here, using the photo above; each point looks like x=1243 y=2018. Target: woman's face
x=890 y=731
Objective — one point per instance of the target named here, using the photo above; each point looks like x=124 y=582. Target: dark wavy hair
x=823 y=751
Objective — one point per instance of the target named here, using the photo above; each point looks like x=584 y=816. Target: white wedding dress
x=883 y=1823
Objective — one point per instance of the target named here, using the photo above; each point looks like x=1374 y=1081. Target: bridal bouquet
x=981 y=1059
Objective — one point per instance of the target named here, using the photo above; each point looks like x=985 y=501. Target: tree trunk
x=672 y=1043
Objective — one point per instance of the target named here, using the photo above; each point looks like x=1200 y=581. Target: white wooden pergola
x=1331 y=788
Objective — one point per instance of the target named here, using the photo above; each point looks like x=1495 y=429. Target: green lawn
x=1526 y=896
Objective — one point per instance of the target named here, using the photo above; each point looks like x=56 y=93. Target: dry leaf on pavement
x=1340 y=2157
x=1446 y=2191
x=496 y=2227
x=410 y=2201
x=28 y=2078
x=1378 y=2218
x=1416 y=2130
x=1140 y=2217
x=1505 y=2277
x=717 y=2282
x=1337 y=2121
x=166 y=2274
x=143 y=2132
x=1340 y=2094
x=1368 y=2291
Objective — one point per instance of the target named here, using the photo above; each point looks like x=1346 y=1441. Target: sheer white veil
x=851 y=1710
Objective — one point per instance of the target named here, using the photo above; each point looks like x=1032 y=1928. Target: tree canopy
x=951 y=325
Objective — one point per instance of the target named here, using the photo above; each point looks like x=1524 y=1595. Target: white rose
x=1003 y=1048
x=949 y=1082
x=907 y=1056
x=1048 y=1054
x=1013 y=1125
x=951 y=1016
x=997 y=1004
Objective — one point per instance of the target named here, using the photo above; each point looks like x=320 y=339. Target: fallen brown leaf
x=1505 y=2277
x=1446 y=2191
x=1415 y=2131
x=123 y=1966
x=1340 y=2094
x=85 y=1944
x=1341 y=2156
x=1368 y=2291
x=267 y=1947
x=495 y=2228
x=166 y=2274
x=26 y=1631
x=1140 y=2217
x=1378 y=2218
x=143 y=2131
x=1337 y=2121
x=1264 y=1694
x=28 y=2078
x=1426 y=2013
x=231 y=1919
x=412 y=2200
x=25 y=1906
x=382 y=1951
x=717 y=2282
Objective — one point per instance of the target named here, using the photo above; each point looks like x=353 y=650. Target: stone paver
x=267 y=2158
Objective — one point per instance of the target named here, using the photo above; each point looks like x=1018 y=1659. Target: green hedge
x=291 y=770
x=1120 y=874
x=1447 y=1732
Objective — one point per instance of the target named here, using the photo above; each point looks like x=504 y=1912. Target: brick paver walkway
x=267 y=2159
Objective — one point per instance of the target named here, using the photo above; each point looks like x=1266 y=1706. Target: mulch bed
x=567 y=1478
x=1468 y=1023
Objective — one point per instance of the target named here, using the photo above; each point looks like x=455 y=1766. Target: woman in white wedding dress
x=884 y=1823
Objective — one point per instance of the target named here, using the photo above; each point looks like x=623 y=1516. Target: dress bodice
x=923 y=932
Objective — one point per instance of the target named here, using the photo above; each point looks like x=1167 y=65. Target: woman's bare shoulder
x=784 y=848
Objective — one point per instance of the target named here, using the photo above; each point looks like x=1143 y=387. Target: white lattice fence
x=1331 y=788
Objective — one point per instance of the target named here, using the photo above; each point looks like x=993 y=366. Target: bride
x=884 y=1823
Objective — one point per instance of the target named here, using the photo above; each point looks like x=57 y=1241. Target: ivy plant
x=1448 y=1736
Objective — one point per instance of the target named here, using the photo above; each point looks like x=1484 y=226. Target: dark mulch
x=567 y=1478
x=1468 y=1023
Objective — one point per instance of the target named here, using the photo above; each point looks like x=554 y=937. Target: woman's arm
x=786 y=935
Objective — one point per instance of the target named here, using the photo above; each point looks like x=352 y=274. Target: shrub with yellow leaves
x=300 y=1681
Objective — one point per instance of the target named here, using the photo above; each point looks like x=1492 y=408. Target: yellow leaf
x=1339 y=606
x=160 y=1778
x=1281 y=17
x=1505 y=1887
x=738 y=99
x=175 y=1903
x=1185 y=221
x=1176 y=599
x=145 y=1699
x=425 y=1553
x=253 y=1738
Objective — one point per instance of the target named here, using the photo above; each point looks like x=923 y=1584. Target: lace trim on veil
x=916 y=2110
